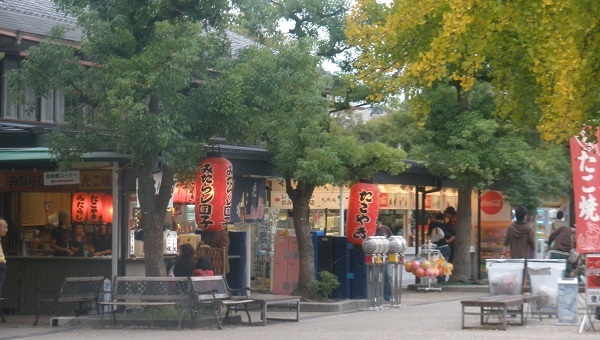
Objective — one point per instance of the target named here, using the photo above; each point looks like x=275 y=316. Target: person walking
x=561 y=241
x=558 y=222
x=519 y=237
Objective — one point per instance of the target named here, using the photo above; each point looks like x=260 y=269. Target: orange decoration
x=363 y=208
x=214 y=193
x=107 y=208
x=80 y=206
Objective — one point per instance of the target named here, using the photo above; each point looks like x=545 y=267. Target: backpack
x=436 y=234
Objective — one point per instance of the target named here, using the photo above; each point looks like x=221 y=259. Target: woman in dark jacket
x=185 y=263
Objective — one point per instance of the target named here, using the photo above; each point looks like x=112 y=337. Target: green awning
x=44 y=155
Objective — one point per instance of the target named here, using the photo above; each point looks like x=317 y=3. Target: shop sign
x=592 y=282
x=96 y=180
x=280 y=200
x=131 y=242
x=170 y=242
x=491 y=203
x=61 y=177
x=585 y=165
x=21 y=180
x=383 y=200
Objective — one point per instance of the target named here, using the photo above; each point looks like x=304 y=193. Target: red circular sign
x=491 y=202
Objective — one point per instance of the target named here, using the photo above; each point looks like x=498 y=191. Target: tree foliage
x=282 y=89
x=321 y=20
x=541 y=56
x=138 y=96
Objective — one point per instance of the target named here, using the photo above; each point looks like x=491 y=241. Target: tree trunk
x=464 y=227
x=300 y=197
x=154 y=209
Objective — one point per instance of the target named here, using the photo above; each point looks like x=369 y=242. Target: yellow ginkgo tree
x=535 y=61
x=542 y=57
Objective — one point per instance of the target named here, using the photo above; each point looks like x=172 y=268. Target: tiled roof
x=37 y=8
x=238 y=42
x=35 y=17
x=39 y=16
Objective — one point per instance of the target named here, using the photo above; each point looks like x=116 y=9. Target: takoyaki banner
x=585 y=165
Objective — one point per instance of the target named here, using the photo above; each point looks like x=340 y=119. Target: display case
x=492 y=240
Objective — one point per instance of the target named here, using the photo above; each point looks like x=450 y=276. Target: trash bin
x=505 y=276
x=567 y=302
x=544 y=276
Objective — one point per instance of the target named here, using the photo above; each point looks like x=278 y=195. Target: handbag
x=574 y=256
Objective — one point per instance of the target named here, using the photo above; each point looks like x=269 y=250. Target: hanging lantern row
x=363 y=208
x=184 y=195
x=214 y=192
x=92 y=207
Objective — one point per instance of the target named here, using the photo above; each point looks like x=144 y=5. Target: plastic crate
x=544 y=275
x=505 y=276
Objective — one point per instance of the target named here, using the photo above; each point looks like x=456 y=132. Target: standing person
x=445 y=234
x=61 y=236
x=450 y=214
x=561 y=243
x=102 y=244
x=215 y=245
x=519 y=237
x=383 y=230
x=3 y=268
x=77 y=240
x=558 y=222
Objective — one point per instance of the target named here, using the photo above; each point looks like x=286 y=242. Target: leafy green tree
x=321 y=20
x=139 y=96
x=282 y=89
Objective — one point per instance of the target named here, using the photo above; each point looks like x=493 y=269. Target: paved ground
x=427 y=315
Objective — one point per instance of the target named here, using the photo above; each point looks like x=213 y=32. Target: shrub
x=325 y=286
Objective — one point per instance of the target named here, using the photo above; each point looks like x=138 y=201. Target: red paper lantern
x=95 y=209
x=107 y=208
x=80 y=206
x=183 y=195
x=363 y=208
x=214 y=192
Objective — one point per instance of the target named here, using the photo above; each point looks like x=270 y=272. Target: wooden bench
x=211 y=294
x=148 y=291
x=82 y=290
x=497 y=306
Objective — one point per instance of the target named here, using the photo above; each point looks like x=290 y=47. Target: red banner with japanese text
x=585 y=165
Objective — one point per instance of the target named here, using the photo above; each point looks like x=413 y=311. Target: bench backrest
x=205 y=286
x=81 y=287
x=151 y=288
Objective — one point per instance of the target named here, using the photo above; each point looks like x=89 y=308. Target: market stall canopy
x=40 y=157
